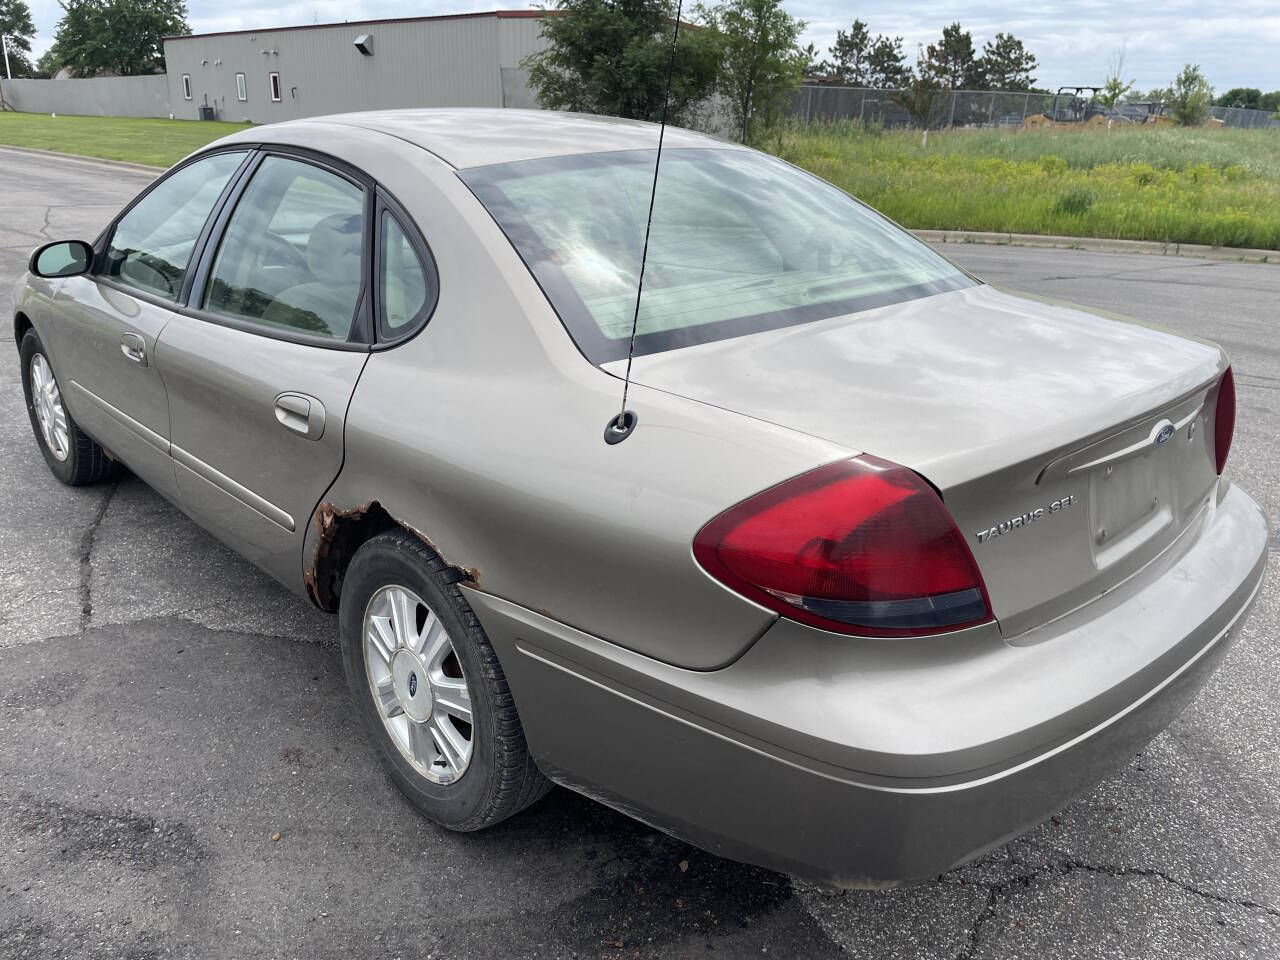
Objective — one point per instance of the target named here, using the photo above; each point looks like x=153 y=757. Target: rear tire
x=73 y=456
x=410 y=645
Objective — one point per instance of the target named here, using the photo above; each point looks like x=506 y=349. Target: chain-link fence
x=1242 y=117
x=935 y=109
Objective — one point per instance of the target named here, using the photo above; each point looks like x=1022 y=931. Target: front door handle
x=134 y=348
x=300 y=414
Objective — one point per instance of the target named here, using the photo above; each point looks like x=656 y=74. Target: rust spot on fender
x=339 y=533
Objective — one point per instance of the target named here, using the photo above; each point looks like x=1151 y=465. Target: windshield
x=741 y=242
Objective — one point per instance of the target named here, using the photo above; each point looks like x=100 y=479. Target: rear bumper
x=868 y=763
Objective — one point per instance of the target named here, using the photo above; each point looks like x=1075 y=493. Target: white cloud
x=1072 y=40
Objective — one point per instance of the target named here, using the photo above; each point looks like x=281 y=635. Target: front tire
x=429 y=688
x=73 y=456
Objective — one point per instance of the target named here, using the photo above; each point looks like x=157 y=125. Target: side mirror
x=63 y=258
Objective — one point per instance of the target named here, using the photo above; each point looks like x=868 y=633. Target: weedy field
x=1171 y=184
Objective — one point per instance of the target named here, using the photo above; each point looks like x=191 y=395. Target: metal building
x=463 y=60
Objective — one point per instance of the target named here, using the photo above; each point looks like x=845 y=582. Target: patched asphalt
x=166 y=709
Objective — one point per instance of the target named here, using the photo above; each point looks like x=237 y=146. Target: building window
x=274 y=78
x=242 y=92
x=186 y=86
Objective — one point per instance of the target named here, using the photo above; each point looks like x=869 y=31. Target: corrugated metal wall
x=426 y=63
x=518 y=37
x=98 y=97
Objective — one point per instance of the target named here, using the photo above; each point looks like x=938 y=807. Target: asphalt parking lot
x=166 y=711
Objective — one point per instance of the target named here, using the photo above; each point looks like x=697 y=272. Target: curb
x=96 y=161
x=1099 y=245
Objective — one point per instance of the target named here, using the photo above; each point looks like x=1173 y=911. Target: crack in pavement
x=44 y=229
x=86 y=556
x=997 y=890
x=183 y=617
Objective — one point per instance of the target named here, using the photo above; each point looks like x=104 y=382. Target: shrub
x=1074 y=202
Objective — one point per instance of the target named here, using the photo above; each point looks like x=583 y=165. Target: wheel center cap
x=412 y=689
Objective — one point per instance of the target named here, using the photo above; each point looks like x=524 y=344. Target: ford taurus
x=890 y=565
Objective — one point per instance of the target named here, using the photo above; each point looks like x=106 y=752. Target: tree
x=1269 y=101
x=1191 y=96
x=115 y=36
x=48 y=64
x=18 y=29
x=811 y=65
x=1248 y=97
x=886 y=64
x=951 y=61
x=611 y=57
x=860 y=60
x=1115 y=87
x=1006 y=64
x=849 y=54
x=922 y=95
x=762 y=64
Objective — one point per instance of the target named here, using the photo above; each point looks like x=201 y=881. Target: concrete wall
x=442 y=61
x=96 y=97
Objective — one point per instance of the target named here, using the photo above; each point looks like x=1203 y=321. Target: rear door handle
x=134 y=348
x=300 y=414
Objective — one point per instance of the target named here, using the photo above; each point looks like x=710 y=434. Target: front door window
x=150 y=249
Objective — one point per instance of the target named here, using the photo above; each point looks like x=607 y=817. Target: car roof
x=478 y=137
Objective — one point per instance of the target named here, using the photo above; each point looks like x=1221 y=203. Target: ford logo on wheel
x=413 y=684
x=1165 y=433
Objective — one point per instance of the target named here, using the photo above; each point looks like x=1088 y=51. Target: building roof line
x=499 y=14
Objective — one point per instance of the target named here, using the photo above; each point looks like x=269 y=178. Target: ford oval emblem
x=413 y=684
x=1165 y=433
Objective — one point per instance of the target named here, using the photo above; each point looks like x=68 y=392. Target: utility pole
x=4 y=44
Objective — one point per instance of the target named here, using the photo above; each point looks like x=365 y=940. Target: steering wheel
x=281 y=253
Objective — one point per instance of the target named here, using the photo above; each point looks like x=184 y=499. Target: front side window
x=292 y=255
x=406 y=289
x=150 y=249
x=242 y=92
x=741 y=242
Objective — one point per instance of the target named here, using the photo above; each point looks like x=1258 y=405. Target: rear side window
x=150 y=249
x=406 y=288
x=292 y=255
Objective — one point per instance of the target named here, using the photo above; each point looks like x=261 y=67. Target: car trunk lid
x=1038 y=423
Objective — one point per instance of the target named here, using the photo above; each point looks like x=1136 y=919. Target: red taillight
x=1224 y=421
x=861 y=546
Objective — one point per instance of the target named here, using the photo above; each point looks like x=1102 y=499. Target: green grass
x=156 y=142
x=1170 y=184
x=1218 y=187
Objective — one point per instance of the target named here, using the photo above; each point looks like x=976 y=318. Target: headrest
x=334 y=249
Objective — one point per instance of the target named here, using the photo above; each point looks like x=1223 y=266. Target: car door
x=262 y=364
x=108 y=320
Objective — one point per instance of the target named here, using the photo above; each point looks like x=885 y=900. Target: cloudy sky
x=1237 y=43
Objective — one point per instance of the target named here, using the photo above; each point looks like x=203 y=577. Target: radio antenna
x=621 y=426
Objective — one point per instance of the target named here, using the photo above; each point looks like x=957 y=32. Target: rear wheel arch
x=340 y=532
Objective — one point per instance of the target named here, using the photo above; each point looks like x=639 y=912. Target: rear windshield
x=741 y=242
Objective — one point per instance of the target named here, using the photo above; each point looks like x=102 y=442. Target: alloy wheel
x=46 y=399
x=417 y=683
